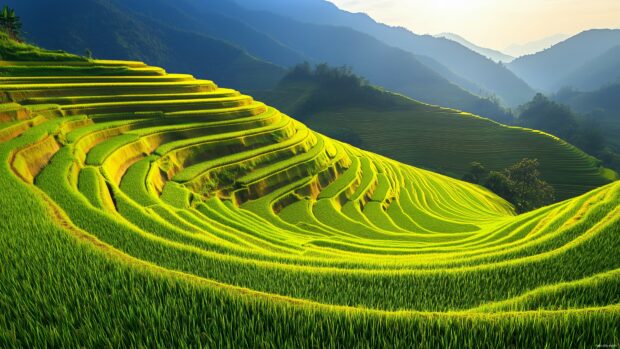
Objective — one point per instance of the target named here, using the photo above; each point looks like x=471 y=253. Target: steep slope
x=142 y=208
x=495 y=78
x=439 y=139
x=495 y=55
x=110 y=31
x=462 y=82
x=547 y=69
x=186 y=15
x=601 y=71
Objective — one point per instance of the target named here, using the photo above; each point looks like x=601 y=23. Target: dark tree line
x=338 y=87
x=342 y=76
x=520 y=184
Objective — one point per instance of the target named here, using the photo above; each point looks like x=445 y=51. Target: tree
x=530 y=190
x=543 y=114
x=4 y=15
x=522 y=185
x=500 y=184
x=476 y=173
x=10 y=22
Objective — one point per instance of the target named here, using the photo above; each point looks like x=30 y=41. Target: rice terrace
x=146 y=208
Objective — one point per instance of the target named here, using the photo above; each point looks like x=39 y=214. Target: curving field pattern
x=195 y=215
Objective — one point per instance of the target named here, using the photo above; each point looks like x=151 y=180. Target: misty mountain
x=493 y=77
x=602 y=70
x=546 y=70
x=451 y=76
x=214 y=22
x=381 y=64
x=528 y=48
x=495 y=55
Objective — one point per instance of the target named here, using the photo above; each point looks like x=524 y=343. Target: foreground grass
x=60 y=290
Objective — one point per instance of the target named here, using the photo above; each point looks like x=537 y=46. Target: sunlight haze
x=492 y=23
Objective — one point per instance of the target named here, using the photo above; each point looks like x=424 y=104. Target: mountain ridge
x=545 y=70
x=138 y=37
x=532 y=47
x=495 y=78
x=495 y=55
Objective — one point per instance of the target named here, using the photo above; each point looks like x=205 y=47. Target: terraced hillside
x=142 y=208
x=435 y=138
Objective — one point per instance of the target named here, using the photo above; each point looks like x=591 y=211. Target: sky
x=492 y=23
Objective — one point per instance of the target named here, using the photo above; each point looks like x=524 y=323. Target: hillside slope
x=142 y=208
x=223 y=25
x=439 y=139
x=495 y=55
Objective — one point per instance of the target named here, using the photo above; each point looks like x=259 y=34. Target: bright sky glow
x=492 y=23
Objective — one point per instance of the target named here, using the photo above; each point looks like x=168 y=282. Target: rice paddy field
x=147 y=209
x=446 y=140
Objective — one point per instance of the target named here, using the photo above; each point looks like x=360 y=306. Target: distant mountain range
x=487 y=52
x=518 y=50
x=600 y=71
x=581 y=60
x=494 y=78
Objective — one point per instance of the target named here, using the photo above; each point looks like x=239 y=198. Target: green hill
x=146 y=209
x=439 y=139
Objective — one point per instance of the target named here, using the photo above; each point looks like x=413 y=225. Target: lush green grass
x=181 y=217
